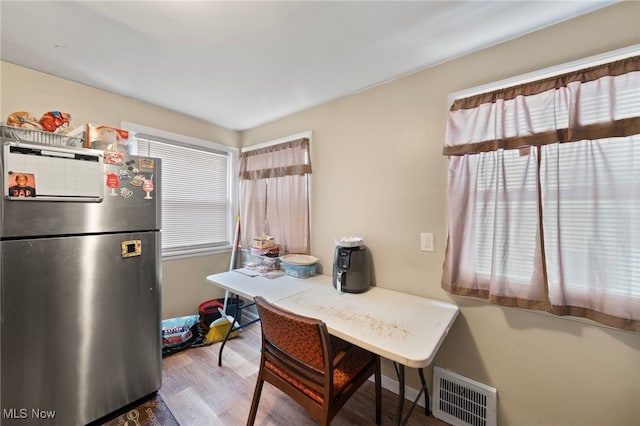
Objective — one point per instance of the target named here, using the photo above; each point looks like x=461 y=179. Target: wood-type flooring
x=198 y=392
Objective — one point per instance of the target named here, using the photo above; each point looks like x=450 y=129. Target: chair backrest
x=297 y=345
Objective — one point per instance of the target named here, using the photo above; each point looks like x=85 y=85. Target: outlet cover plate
x=426 y=241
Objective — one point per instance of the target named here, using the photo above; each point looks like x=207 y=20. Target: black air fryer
x=351 y=269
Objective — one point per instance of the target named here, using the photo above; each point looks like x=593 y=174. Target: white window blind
x=196 y=200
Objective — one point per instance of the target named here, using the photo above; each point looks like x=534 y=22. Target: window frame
x=232 y=176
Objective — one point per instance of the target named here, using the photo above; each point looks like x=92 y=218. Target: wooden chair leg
x=254 y=402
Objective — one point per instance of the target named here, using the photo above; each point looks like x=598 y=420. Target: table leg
x=234 y=327
x=400 y=374
x=427 y=410
x=236 y=319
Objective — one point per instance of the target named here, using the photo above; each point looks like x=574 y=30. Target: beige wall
x=378 y=172
x=21 y=89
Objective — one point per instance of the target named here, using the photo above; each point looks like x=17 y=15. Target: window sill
x=187 y=253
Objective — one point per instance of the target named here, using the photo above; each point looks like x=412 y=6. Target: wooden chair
x=303 y=360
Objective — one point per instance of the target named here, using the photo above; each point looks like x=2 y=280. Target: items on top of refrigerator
x=23 y=134
x=52 y=128
x=23 y=119
x=55 y=121
x=110 y=139
x=51 y=121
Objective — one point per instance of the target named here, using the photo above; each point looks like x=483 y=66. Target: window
x=274 y=193
x=544 y=194
x=198 y=183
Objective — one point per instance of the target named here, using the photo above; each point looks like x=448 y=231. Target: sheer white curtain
x=274 y=194
x=591 y=201
x=493 y=249
x=544 y=195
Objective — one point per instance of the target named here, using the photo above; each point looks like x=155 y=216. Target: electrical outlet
x=426 y=241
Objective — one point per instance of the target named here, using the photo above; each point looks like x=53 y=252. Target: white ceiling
x=240 y=64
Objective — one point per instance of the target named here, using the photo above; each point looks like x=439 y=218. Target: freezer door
x=130 y=201
x=80 y=326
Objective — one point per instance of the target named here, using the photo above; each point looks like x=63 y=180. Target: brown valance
x=593 y=103
x=285 y=159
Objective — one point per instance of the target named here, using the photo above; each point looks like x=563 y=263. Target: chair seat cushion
x=349 y=360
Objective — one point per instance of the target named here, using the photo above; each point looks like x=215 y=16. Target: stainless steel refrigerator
x=80 y=276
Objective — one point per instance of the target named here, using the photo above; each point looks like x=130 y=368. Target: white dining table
x=404 y=328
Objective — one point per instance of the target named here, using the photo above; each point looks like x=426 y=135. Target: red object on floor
x=210 y=307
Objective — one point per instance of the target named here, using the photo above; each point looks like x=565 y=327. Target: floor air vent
x=461 y=401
